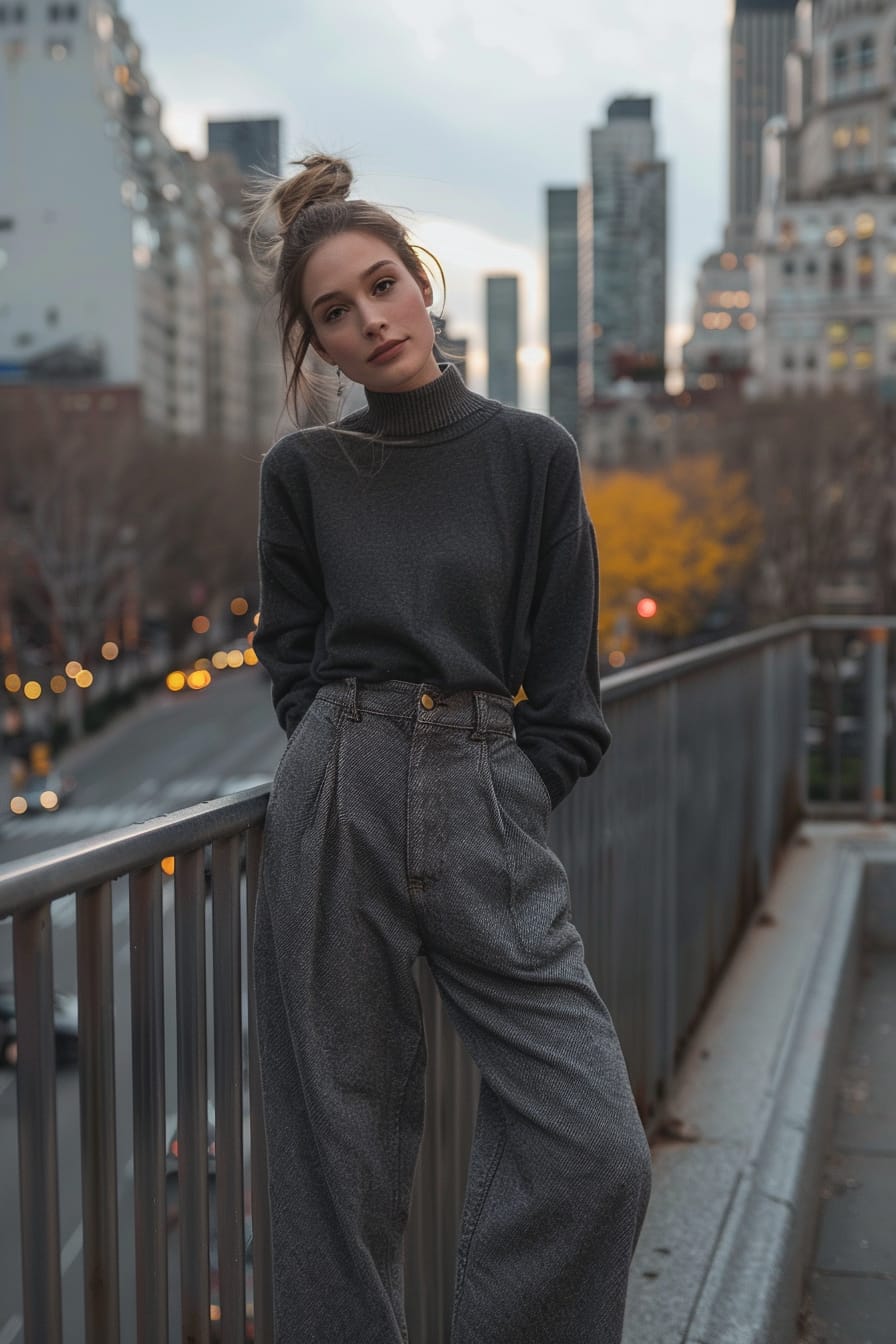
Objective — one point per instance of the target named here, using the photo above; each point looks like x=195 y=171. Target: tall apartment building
x=760 y=38
x=563 y=305
x=107 y=232
x=718 y=352
x=254 y=142
x=827 y=223
x=259 y=348
x=503 y=337
x=622 y=252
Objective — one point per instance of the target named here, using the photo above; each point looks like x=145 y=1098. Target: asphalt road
x=170 y=752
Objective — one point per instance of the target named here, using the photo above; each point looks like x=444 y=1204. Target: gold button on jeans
x=427 y=701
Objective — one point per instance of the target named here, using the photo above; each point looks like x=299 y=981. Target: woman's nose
x=372 y=322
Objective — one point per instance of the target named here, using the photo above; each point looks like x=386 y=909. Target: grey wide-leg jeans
x=404 y=820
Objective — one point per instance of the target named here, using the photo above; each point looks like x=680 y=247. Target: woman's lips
x=386 y=352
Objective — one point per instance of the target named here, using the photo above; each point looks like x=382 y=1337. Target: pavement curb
x=752 y=1290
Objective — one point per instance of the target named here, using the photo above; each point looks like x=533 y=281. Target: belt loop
x=353 y=699
x=480 y=704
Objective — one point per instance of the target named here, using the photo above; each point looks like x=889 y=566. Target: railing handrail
x=101 y=858
x=86 y=863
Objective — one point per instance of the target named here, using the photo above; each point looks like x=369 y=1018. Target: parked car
x=38 y=794
x=65 y=1026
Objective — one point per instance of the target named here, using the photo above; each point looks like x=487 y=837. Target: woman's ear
x=425 y=289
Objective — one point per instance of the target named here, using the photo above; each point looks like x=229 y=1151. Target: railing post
x=262 y=1272
x=192 y=1094
x=765 y=776
x=148 y=1069
x=227 y=976
x=36 y=1091
x=875 y=722
x=99 y=1165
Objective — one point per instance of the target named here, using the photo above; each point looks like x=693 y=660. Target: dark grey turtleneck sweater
x=466 y=559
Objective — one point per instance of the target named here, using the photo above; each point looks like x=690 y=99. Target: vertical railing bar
x=875 y=723
x=227 y=977
x=836 y=788
x=192 y=1094
x=148 y=1069
x=263 y=1291
x=96 y=1067
x=36 y=1099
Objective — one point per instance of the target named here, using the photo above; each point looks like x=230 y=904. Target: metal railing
x=668 y=849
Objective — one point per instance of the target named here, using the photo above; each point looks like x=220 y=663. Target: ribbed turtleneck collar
x=435 y=407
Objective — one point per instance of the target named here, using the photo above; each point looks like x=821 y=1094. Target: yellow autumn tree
x=678 y=534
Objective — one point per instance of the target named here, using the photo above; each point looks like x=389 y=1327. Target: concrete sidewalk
x=850 y=1292
x=730 y=1229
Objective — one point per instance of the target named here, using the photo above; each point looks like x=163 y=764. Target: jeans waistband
x=426 y=701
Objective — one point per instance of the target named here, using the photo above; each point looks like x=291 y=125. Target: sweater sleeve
x=560 y=725
x=291 y=606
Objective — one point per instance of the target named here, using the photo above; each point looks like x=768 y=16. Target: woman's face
x=369 y=313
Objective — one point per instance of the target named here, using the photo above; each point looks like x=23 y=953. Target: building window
x=863 y=333
x=811 y=361
x=57 y=13
x=865 y=269
x=866 y=60
x=812 y=268
x=865 y=224
x=6 y=223
x=836 y=273
x=52 y=317
x=788 y=361
x=58 y=48
x=12 y=13
x=838 y=333
x=839 y=66
x=838 y=360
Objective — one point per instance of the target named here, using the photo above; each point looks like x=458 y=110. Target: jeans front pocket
x=537 y=781
x=539 y=901
x=307 y=764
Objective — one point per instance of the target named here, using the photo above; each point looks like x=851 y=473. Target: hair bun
x=325 y=178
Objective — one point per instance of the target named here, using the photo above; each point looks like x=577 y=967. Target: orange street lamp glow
x=616 y=658
x=33 y=690
x=219 y=659
x=239 y=606
x=250 y=658
x=84 y=679
x=109 y=650
x=167 y=865
x=201 y=624
x=13 y=683
x=647 y=607
x=235 y=658
x=175 y=681
x=72 y=669
x=58 y=684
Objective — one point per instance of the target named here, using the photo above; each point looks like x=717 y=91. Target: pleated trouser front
x=406 y=821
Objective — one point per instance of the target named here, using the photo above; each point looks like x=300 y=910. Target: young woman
x=420 y=561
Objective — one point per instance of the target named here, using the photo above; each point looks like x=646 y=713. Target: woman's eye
x=333 y=312
x=378 y=287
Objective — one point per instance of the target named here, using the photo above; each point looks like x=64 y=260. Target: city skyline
x=436 y=114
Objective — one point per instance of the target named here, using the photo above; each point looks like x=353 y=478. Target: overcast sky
x=462 y=112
